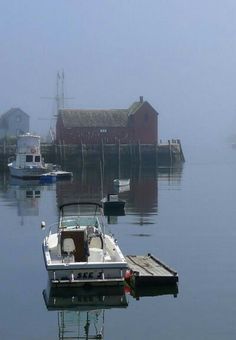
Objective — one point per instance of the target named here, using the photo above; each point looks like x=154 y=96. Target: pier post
x=4 y=150
x=156 y=154
x=82 y=154
x=63 y=154
x=60 y=151
x=119 y=157
x=181 y=151
x=130 y=153
x=170 y=151
x=103 y=157
x=139 y=153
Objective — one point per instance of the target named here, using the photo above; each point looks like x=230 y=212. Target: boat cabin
x=80 y=239
x=28 y=151
x=28 y=160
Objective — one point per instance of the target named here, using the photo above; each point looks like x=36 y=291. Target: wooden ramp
x=148 y=270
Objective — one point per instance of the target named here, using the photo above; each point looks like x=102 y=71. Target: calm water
x=186 y=217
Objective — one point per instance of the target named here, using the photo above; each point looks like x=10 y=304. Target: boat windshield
x=79 y=221
x=81 y=216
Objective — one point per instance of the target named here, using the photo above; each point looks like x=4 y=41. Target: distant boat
x=55 y=175
x=28 y=163
x=122 y=188
x=49 y=177
x=113 y=205
x=121 y=182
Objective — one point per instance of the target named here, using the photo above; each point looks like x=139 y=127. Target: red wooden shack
x=137 y=124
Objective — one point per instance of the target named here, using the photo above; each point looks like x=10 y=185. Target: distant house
x=13 y=122
x=137 y=124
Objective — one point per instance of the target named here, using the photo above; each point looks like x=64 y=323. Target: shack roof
x=98 y=118
x=12 y=111
x=94 y=118
x=4 y=118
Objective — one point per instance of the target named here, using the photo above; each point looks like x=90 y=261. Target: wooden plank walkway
x=149 y=270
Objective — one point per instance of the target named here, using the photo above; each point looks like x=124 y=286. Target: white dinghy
x=79 y=252
x=121 y=182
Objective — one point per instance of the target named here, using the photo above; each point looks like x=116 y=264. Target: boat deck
x=149 y=270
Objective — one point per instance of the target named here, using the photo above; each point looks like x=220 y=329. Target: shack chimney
x=141 y=99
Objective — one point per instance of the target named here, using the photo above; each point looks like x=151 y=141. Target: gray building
x=13 y=123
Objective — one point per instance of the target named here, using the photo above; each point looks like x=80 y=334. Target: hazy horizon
x=178 y=55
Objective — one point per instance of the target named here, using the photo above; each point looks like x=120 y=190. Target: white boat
x=61 y=174
x=79 y=252
x=55 y=175
x=28 y=163
x=121 y=182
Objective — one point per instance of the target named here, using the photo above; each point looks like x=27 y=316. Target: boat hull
x=121 y=182
x=27 y=173
x=53 y=176
x=84 y=273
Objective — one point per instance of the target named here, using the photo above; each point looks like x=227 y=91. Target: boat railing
x=50 y=229
x=11 y=159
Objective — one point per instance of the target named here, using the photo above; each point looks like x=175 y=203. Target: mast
x=59 y=99
x=62 y=90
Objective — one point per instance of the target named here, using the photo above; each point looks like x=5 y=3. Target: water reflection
x=87 y=185
x=141 y=196
x=26 y=196
x=33 y=199
x=170 y=177
x=81 y=311
x=157 y=290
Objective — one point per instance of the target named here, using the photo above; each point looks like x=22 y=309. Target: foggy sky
x=179 y=54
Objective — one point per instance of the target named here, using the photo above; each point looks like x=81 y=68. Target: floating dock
x=148 y=270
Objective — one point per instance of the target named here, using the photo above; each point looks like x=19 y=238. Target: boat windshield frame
x=78 y=219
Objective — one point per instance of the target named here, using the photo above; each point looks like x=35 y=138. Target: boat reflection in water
x=26 y=194
x=81 y=310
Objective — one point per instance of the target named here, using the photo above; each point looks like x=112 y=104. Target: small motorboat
x=121 y=189
x=79 y=252
x=60 y=174
x=113 y=205
x=121 y=182
x=49 y=177
x=55 y=175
